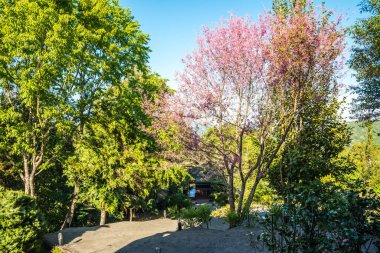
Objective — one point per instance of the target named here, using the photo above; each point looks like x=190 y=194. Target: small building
x=200 y=188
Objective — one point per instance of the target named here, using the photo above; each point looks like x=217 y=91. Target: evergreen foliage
x=365 y=61
x=21 y=223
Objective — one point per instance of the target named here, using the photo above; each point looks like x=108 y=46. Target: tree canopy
x=365 y=61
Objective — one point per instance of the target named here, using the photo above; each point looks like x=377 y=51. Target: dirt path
x=146 y=236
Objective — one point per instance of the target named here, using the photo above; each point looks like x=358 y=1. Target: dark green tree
x=115 y=154
x=365 y=61
x=313 y=152
x=21 y=223
x=108 y=47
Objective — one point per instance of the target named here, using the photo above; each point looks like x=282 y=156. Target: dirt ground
x=146 y=236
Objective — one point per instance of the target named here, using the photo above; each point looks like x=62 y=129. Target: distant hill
x=359 y=132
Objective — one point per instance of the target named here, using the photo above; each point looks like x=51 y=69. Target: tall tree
x=108 y=47
x=257 y=78
x=57 y=59
x=365 y=61
x=34 y=45
x=114 y=155
x=366 y=105
x=314 y=151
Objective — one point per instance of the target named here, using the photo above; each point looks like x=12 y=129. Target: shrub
x=57 y=250
x=233 y=219
x=220 y=212
x=220 y=198
x=21 y=224
x=197 y=215
x=204 y=214
x=322 y=218
x=190 y=217
x=176 y=202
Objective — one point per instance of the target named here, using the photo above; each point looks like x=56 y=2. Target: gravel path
x=146 y=236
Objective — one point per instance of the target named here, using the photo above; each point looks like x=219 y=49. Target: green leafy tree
x=115 y=154
x=365 y=61
x=366 y=157
x=34 y=39
x=313 y=152
x=21 y=223
x=108 y=47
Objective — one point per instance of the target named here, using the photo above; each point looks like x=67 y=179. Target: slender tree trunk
x=27 y=184
x=249 y=201
x=70 y=214
x=103 y=216
x=241 y=197
x=231 y=194
x=130 y=214
x=26 y=178
x=32 y=186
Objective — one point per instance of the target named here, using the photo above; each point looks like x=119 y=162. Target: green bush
x=21 y=224
x=190 y=217
x=322 y=218
x=233 y=219
x=220 y=198
x=57 y=250
x=176 y=202
x=220 y=212
x=197 y=215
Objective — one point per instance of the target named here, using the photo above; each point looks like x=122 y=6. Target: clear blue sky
x=173 y=24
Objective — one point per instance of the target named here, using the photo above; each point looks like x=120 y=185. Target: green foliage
x=78 y=103
x=233 y=219
x=220 y=198
x=196 y=215
x=115 y=154
x=176 y=202
x=57 y=250
x=35 y=39
x=366 y=157
x=365 y=61
x=360 y=132
x=220 y=212
x=52 y=196
x=21 y=223
x=322 y=218
x=314 y=151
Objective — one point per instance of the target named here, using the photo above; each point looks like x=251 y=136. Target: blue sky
x=173 y=25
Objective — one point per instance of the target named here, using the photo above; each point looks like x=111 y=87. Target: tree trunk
x=231 y=194
x=32 y=187
x=103 y=216
x=70 y=214
x=249 y=201
x=241 y=197
x=26 y=177
x=130 y=214
x=27 y=184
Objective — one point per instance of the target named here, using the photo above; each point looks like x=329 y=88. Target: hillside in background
x=359 y=132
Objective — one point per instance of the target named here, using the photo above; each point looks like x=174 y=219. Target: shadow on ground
x=69 y=235
x=198 y=240
x=146 y=236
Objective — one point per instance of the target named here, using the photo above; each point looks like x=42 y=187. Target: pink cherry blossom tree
x=249 y=80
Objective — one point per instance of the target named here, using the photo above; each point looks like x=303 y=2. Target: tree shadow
x=192 y=240
x=69 y=235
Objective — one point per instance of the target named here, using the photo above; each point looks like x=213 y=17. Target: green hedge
x=21 y=224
